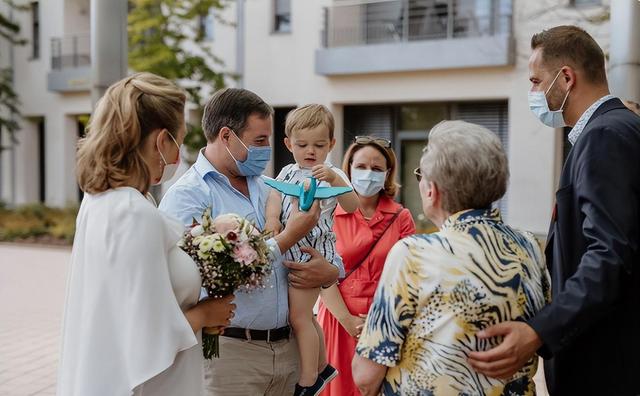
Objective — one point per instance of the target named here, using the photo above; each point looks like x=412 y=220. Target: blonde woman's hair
x=110 y=155
x=309 y=116
x=390 y=186
x=467 y=163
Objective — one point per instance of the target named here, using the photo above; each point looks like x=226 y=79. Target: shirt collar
x=203 y=166
x=473 y=216
x=577 y=129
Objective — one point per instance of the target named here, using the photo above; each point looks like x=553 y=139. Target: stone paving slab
x=32 y=288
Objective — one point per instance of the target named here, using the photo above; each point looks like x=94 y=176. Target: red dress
x=354 y=237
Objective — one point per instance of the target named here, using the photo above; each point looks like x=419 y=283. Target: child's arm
x=349 y=201
x=274 y=208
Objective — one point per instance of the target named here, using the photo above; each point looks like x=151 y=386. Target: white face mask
x=367 y=183
x=540 y=107
x=169 y=170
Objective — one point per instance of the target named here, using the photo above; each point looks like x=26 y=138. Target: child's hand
x=273 y=225
x=324 y=173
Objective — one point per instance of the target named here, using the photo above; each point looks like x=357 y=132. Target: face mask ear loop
x=565 y=99
x=552 y=82
x=240 y=140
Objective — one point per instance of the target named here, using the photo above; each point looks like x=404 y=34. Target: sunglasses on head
x=418 y=174
x=382 y=142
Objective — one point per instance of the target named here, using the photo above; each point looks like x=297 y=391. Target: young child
x=309 y=136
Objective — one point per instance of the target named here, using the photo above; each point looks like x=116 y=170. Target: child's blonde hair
x=309 y=116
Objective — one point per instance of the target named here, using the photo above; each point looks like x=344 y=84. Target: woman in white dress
x=132 y=318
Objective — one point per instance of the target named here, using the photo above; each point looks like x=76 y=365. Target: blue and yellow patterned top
x=438 y=290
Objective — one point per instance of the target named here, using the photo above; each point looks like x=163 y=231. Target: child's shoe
x=313 y=390
x=328 y=374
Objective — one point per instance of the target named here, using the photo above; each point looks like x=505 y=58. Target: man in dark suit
x=590 y=333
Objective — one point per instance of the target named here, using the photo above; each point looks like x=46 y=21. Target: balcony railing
x=377 y=22
x=70 y=52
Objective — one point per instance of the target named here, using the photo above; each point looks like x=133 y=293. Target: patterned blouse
x=438 y=290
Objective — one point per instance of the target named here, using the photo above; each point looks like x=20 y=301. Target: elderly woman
x=445 y=287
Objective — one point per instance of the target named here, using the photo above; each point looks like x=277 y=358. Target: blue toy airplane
x=306 y=197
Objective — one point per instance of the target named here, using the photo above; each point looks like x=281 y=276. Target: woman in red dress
x=363 y=240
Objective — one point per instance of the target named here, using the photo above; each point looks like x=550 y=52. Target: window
x=282 y=16
x=35 y=30
x=585 y=3
x=206 y=26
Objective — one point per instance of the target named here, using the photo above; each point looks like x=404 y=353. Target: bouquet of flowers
x=231 y=255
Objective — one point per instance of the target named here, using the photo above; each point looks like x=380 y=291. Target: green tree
x=9 y=102
x=166 y=38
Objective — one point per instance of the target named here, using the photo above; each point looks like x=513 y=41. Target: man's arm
x=367 y=375
x=605 y=182
x=299 y=224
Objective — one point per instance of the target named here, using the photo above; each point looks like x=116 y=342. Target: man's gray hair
x=467 y=163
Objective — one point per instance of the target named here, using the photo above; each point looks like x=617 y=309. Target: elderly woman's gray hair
x=467 y=163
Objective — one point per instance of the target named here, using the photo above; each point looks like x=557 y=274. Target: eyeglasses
x=382 y=142
x=418 y=174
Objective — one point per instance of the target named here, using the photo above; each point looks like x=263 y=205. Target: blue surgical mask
x=540 y=107
x=257 y=159
x=367 y=183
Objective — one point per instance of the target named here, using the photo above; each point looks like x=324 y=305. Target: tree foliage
x=9 y=102
x=166 y=38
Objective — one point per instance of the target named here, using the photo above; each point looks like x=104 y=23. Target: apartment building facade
x=391 y=68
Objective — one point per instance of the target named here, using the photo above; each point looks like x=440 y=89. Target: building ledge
x=75 y=79
x=486 y=51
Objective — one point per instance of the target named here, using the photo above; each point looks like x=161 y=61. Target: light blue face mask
x=257 y=159
x=367 y=183
x=540 y=107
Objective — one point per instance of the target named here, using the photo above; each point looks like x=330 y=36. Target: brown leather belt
x=272 y=335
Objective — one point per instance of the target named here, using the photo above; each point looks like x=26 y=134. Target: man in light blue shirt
x=257 y=356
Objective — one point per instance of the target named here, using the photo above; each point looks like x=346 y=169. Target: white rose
x=197 y=230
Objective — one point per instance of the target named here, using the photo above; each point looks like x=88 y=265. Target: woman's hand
x=211 y=312
x=354 y=324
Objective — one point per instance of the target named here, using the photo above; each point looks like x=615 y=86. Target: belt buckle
x=268 y=335
x=247 y=334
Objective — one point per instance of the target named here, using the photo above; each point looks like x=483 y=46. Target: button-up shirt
x=203 y=186
x=577 y=129
x=438 y=290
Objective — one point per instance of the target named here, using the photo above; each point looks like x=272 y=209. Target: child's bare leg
x=301 y=303
x=322 y=355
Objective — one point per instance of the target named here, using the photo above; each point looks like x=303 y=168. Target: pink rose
x=244 y=253
x=227 y=222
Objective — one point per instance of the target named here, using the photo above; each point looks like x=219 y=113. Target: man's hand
x=314 y=273
x=324 y=173
x=298 y=225
x=519 y=345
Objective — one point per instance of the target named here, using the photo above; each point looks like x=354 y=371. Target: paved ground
x=32 y=287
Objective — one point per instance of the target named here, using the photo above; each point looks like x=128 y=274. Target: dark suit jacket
x=591 y=330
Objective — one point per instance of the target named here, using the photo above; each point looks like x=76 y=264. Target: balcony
x=411 y=35
x=70 y=64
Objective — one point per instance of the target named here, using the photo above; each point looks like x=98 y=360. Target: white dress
x=124 y=328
